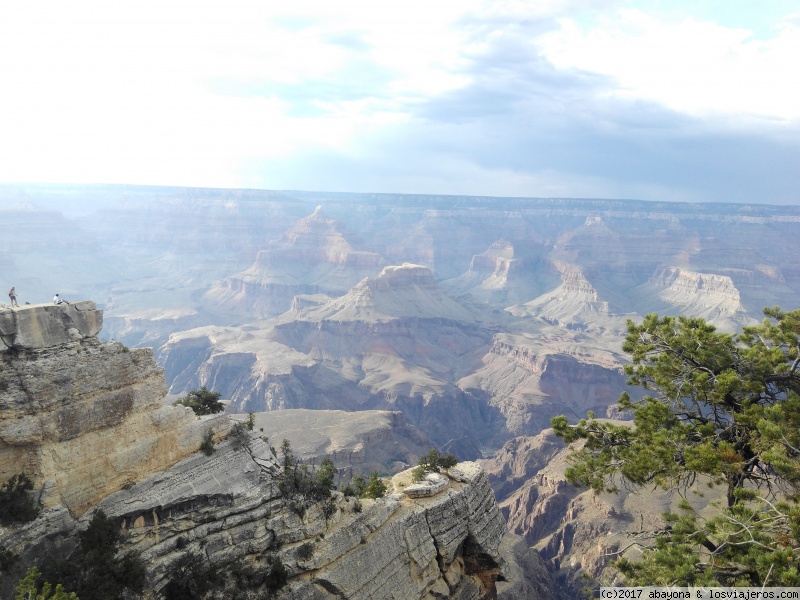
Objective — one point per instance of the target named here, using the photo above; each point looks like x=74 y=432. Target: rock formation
x=82 y=418
x=496 y=313
x=85 y=421
x=504 y=275
x=393 y=342
x=577 y=532
x=311 y=257
x=531 y=379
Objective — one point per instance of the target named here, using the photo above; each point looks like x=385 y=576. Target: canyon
x=462 y=322
x=84 y=419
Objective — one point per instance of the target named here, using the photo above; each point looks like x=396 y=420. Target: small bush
x=27 y=588
x=202 y=402
x=300 y=485
x=192 y=578
x=359 y=485
x=16 y=503
x=241 y=434
x=433 y=462
x=305 y=551
x=207 y=446
x=277 y=575
x=93 y=569
x=376 y=488
x=361 y=488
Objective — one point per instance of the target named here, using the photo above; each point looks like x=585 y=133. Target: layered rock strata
x=313 y=256
x=83 y=418
x=229 y=509
x=85 y=421
x=577 y=532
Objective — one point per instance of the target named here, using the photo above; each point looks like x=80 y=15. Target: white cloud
x=201 y=93
x=696 y=67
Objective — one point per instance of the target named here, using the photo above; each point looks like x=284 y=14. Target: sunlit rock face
x=230 y=506
x=83 y=418
x=505 y=274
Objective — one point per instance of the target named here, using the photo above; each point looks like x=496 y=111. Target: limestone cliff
x=229 y=507
x=84 y=418
x=506 y=274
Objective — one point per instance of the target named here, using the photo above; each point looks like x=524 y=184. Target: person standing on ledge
x=12 y=293
x=59 y=300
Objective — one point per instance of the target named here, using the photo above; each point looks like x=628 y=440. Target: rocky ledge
x=35 y=326
x=229 y=508
x=83 y=418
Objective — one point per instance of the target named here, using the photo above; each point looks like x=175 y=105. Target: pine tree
x=724 y=410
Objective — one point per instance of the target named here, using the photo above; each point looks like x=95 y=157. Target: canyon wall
x=83 y=418
x=85 y=421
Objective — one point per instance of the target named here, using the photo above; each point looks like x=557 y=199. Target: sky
x=668 y=100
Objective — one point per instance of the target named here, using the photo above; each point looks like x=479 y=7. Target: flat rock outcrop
x=361 y=441
x=38 y=326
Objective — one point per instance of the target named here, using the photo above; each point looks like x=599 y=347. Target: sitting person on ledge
x=59 y=300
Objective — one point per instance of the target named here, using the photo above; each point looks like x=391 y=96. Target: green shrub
x=16 y=503
x=376 y=488
x=359 y=485
x=361 y=488
x=207 y=446
x=305 y=551
x=192 y=577
x=300 y=485
x=202 y=402
x=433 y=462
x=27 y=588
x=277 y=575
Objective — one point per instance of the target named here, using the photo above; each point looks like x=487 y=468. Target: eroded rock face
x=577 y=532
x=85 y=421
x=313 y=256
x=228 y=507
x=83 y=418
